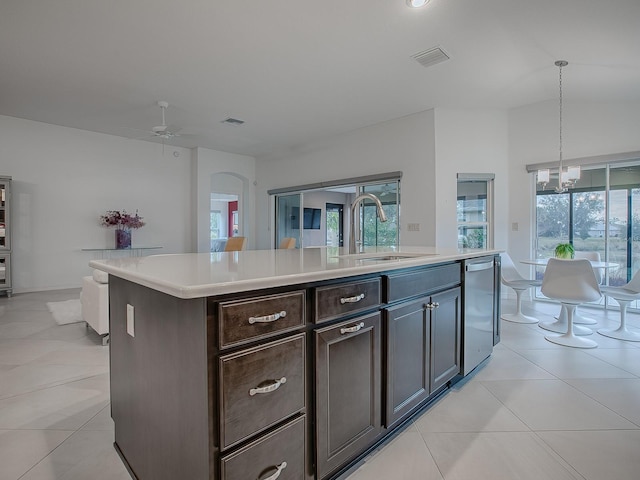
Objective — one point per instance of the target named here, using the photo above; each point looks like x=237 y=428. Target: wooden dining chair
x=288 y=242
x=235 y=244
x=571 y=282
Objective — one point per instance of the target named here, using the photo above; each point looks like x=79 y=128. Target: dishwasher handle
x=476 y=267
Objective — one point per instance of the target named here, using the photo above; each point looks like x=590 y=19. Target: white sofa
x=95 y=303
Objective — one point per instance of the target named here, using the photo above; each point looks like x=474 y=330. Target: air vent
x=233 y=121
x=430 y=57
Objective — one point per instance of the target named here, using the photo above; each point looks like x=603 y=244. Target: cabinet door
x=348 y=393
x=445 y=337
x=408 y=357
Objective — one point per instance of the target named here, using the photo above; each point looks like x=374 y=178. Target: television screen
x=310 y=219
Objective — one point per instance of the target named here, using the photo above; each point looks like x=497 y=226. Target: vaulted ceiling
x=296 y=71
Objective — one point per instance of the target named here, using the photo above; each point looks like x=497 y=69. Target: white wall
x=470 y=141
x=64 y=179
x=589 y=129
x=430 y=148
x=405 y=144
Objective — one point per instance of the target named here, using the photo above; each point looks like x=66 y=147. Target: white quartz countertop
x=194 y=275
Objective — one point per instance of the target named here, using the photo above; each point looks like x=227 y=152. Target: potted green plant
x=565 y=251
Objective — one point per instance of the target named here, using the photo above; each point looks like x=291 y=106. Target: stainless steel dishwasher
x=480 y=310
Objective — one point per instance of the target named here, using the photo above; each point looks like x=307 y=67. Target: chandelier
x=567 y=177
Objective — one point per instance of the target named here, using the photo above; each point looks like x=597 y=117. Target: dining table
x=542 y=262
x=559 y=325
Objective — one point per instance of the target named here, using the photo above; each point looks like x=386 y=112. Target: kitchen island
x=288 y=364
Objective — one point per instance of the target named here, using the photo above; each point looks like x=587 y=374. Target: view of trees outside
x=472 y=221
x=333 y=228
x=377 y=233
x=586 y=212
x=216 y=224
x=472 y=237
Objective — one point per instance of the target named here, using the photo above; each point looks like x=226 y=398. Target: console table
x=134 y=251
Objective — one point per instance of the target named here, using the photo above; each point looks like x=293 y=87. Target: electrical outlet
x=130 y=322
x=413 y=227
x=514 y=226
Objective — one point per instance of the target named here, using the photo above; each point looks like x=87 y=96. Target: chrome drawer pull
x=355 y=328
x=269 y=388
x=279 y=469
x=355 y=299
x=268 y=318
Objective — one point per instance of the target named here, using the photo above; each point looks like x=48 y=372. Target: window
x=333 y=200
x=474 y=209
x=601 y=213
x=374 y=232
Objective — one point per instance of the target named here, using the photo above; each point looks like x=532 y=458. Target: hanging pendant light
x=568 y=177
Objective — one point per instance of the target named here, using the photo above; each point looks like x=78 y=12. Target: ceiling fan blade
x=174 y=128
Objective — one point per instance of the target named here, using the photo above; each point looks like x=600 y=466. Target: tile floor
x=534 y=410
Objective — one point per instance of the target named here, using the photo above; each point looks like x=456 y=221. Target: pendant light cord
x=560 y=173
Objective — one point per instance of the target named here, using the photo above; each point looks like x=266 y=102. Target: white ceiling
x=297 y=71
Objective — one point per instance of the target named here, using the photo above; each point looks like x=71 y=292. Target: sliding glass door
x=374 y=232
x=288 y=217
x=321 y=215
x=601 y=213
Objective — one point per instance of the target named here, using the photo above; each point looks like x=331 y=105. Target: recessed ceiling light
x=417 y=3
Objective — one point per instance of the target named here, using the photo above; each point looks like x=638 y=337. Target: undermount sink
x=384 y=257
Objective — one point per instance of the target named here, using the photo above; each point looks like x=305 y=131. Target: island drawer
x=283 y=451
x=255 y=318
x=260 y=387
x=337 y=300
x=420 y=282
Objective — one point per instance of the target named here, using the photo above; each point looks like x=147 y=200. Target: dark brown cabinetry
x=281 y=455
x=260 y=387
x=422 y=338
x=242 y=321
x=335 y=301
x=445 y=337
x=408 y=358
x=348 y=390
x=291 y=383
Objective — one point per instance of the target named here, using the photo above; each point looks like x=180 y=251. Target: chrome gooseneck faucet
x=354 y=205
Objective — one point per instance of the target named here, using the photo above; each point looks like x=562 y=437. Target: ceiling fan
x=163 y=131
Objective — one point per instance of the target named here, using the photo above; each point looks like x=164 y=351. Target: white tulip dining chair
x=571 y=282
x=512 y=278
x=624 y=295
x=579 y=318
x=560 y=326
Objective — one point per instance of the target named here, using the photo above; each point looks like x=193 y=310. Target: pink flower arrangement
x=121 y=220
